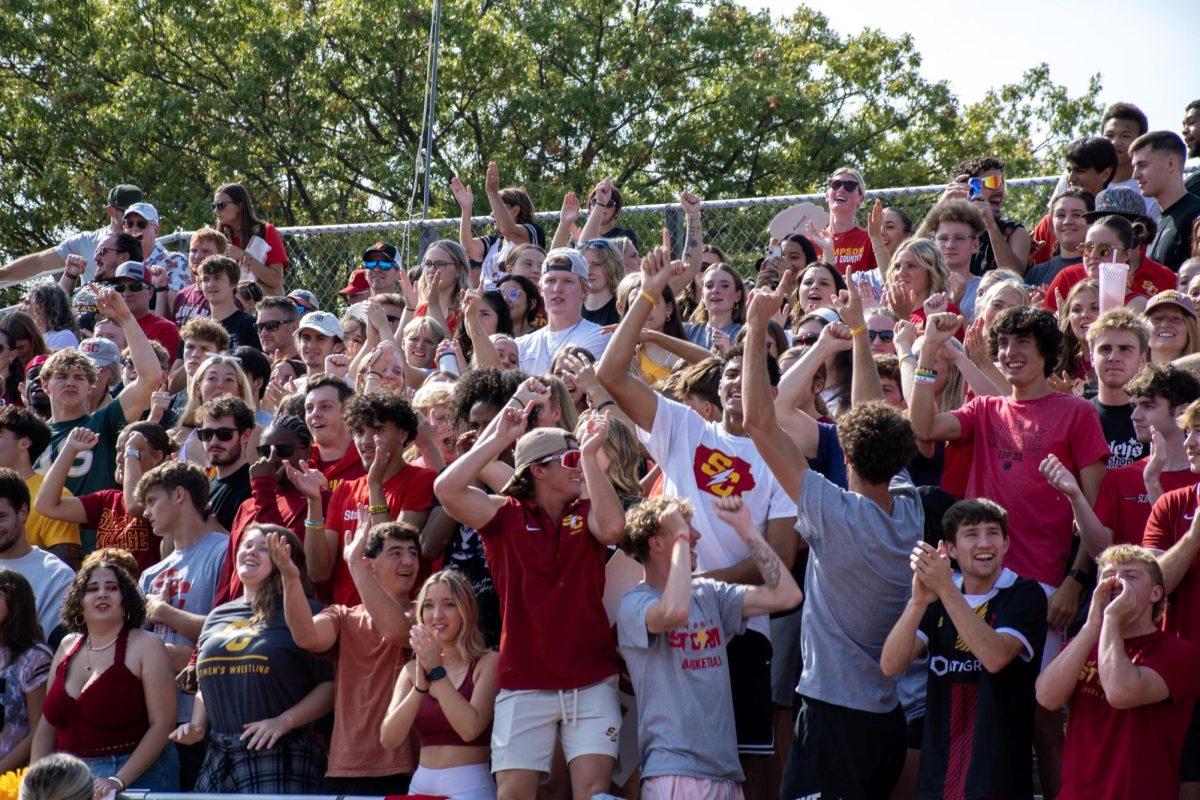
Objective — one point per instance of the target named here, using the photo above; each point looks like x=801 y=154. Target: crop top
x=109 y=716
x=435 y=729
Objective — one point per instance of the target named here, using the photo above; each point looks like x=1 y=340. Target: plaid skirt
x=295 y=765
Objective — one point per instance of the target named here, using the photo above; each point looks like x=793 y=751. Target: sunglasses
x=127 y=363
x=137 y=224
x=270 y=327
x=435 y=266
x=221 y=206
x=990 y=182
x=223 y=434
x=610 y=204
x=383 y=265
x=806 y=339
x=392 y=318
x=1101 y=250
x=884 y=336
x=282 y=450
x=838 y=183
x=122 y=288
x=570 y=459
x=103 y=251
x=599 y=244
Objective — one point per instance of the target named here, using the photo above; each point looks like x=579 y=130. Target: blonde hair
x=610 y=262
x=427 y=324
x=58 y=776
x=462 y=265
x=1119 y=554
x=469 y=642
x=66 y=360
x=927 y=254
x=623 y=451
x=190 y=418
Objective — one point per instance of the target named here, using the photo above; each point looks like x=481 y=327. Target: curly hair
x=240 y=411
x=377 y=408
x=977 y=166
x=878 y=441
x=1177 y=386
x=641 y=523
x=53 y=306
x=1028 y=321
x=132 y=602
x=68 y=360
x=491 y=386
x=962 y=211
x=205 y=330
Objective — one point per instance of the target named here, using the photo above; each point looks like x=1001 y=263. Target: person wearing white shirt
x=563 y=285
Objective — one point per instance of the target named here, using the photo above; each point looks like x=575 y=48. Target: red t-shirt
x=1043 y=232
x=1011 y=438
x=1169 y=521
x=106 y=513
x=1135 y=752
x=277 y=254
x=1123 y=504
x=346 y=468
x=410 y=489
x=162 y=331
x=1149 y=279
x=852 y=251
x=549 y=575
x=917 y=317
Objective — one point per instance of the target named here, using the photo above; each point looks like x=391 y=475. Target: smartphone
x=773 y=252
x=976 y=189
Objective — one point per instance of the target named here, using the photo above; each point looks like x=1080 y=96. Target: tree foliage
x=317 y=105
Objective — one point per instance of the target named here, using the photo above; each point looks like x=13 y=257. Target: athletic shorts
x=785 y=658
x=527 y=721
x=1189 y=763
x=670 y=787
x=845 y=753
x=750 y=684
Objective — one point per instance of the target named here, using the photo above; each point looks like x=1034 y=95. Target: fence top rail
x=708 y=205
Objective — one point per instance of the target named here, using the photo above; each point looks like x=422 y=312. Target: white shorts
x=527 y=721
x=468 y=782
x=672 y=787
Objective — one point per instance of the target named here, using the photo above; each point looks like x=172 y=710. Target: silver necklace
x=105 y=647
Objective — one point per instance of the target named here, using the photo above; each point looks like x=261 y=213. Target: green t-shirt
x=93 y=469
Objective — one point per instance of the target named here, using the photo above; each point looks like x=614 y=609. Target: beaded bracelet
x=923 y=375
x=314 y=523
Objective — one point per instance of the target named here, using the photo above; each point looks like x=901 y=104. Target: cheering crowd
x=903 y=510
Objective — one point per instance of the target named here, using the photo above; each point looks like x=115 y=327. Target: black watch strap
x=435 y=674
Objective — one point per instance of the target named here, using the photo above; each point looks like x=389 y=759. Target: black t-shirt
x=1117 y=422
x=989 y=714
x=984 y=259
x=1173 y=243
x=224 y=496
x=1041 y=274
x=626 y=232
x=464 y=555
x=604 y=315
x=240 y=327
x=1192 y=184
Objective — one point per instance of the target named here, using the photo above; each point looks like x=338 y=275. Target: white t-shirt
x=57 y=340
x=701 y=461
x=50 y=579
x=538 y=349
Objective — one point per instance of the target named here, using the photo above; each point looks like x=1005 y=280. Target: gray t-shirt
x=187 y=580
x=856 y=584
x=50 y=579
x=84 y=244
x=681 y=680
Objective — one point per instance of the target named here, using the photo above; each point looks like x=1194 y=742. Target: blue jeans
x=161 y=776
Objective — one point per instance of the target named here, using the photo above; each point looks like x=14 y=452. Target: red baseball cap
x=36 y=362
x=357 y=283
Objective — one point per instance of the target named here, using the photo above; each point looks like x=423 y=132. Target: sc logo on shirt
x=721 y=474
x=81 y=466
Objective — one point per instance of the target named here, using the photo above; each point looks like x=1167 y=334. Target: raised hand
x=875 y=221
x=1156 y=462
x=407 y=289
x=957 y=286
x=379 y=462
x=513 y=421
x=594 y=435
x=262 y=468
x=690 y=203
x=603 y=191
x=936 y=303
x=657 y=268
x=158 y=276
x=112 y=305
x=462 y=194
x=492 y=181
x=906 y=336
x=337 y=364
x=720 y=341
x=76 y=265
x=836 y=336
x=281 y=557
x=1058 y=476
x=848 y=305
x=901 y=299
x=976 y=343
x=940 y=328
x=733 y=511
x=570 y=209
x=80 y=439
x=581 y=371
x=354 y=543
x=307 y=481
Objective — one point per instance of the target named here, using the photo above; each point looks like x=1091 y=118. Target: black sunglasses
x=609 y=204
x=122 y=288
x=283 y=450
x=884 y=336
x=221 y=206
x=222 y=434
x=849 y=186
x=806 y=339
x=138 y=224
x=270 y=327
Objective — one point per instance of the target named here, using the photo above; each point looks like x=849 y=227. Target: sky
x=1143 y=50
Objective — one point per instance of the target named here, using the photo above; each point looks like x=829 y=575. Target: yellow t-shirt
x=42 y=531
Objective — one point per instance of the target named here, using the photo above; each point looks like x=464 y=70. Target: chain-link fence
x=323 y=257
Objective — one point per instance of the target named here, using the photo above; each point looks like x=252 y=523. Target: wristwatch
x=435 y=674
x=160 y=288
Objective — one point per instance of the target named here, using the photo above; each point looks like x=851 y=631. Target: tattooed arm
x=778 y=591
x=693 y=248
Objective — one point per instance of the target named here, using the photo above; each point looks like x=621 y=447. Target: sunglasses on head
x=223 y=434
x=282 y=450
x=838 y=183
x=221 y=205
x=269 y=327
x=383 y=265
x=570 y=459
x=806 y=339
x=599 y=244
x=122 y=288
x=884 y=336
x=137 y=224
x=1101 y=250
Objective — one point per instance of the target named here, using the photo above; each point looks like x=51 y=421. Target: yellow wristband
x=858 y=330
x=649 y=298
x=378 y=510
